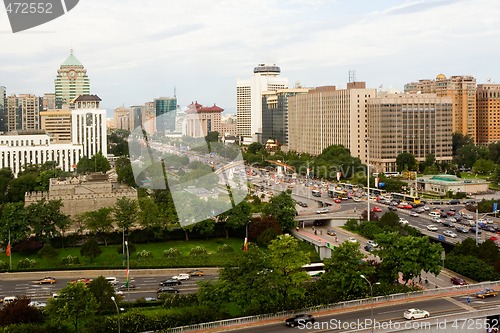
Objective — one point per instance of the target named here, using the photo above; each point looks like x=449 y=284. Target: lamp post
x=368 y=175
x=117 y=312
x=128 y=266
x=371 y=297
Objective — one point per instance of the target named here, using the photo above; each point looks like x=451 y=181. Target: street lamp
x=117 y=312
x=368 y=174
x=371 y=297
x=128 y=266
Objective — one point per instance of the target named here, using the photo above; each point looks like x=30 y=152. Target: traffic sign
x=495 y=206
x=441 y=237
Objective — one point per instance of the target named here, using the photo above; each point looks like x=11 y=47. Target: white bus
x=315 y=269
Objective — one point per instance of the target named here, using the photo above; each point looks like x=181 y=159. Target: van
x=112 y=280
x=434 y=214
x=9 y=299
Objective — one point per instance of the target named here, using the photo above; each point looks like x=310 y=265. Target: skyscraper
x=71 y=81
x=165 y=111
x=488 y=113
x=249 y=100
x=3 y=109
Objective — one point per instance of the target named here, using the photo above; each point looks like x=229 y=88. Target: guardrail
x=335 y=306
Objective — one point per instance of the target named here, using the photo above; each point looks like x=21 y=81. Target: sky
x=135 y=51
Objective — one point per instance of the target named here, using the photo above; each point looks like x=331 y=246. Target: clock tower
x=71 y=81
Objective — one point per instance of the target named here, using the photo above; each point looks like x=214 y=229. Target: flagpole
x=10 y=254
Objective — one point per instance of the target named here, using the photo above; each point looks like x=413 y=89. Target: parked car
x=181 y=276
x=432 y=227
x=372 y=243
x=299 y=319
x=416 y=314
x=170 y=290
x=170 y=282
x=46 y=280
x=458 y=281
x=449 y=233
x=196 y=272
x=331 y=232
x=454 y=202
x=486 y=293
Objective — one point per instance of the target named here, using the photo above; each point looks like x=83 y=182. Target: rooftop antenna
x=352 y=76
x=175 y=92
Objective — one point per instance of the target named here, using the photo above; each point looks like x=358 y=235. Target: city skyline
x=200 y=48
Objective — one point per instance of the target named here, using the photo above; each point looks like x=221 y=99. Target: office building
x=249 y=100
x=202 y=120
x=49 y=101
x=122 y=118
x=88 y=125
x=30 y=106
x=71 y=81
x=488 y=113
x=57 y=124
x=165 y=113
x=462 y=90
x=3 y=109
x=275 y=114
x=409 y=123
x=325 y=116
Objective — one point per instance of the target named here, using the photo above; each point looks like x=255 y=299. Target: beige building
x=414 y=123
x=462 y=90
x=84 y=193
x=123 y=118
x=201 y=120
x=442 y=184
x=488 y=113
x=325 y=116
x=57 y=124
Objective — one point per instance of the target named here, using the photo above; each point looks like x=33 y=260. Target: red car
x=376 y=210
x=337 y=200
x=458 y=280
x=451 y=213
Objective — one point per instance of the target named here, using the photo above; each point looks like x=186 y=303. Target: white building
x=88 y=125
x=249 y=100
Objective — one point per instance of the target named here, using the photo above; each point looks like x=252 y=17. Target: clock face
x=72 y=74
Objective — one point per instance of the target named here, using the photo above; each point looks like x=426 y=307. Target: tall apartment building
x=325 y=116
x=201 y=120
x=49 y=101
x=57 y=124
x=488 y=113
x=14 y=114
x=275 y=114
x=165 y=112
x=23 y=112
x=249 y=100
x=462 y=90
x=414 y=123
x=71 y=81
x=3 y=109
x=88 y=125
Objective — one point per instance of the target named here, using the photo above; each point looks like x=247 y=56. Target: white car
x=372 y=243
x=403 y=221
x=352 y=240
x=416 y=314
x=322 y=211
x=432 y=227
x=426 y=208
x=37 y=304
x=449 y=233
x=182 y=276
x=414 y=214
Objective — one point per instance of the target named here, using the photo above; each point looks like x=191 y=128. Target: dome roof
x=441 y=77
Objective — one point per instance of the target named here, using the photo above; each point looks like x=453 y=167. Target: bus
x=316 y=193
x=405 y=197
x=376 y=191
x=339 y=194
x=315 y=269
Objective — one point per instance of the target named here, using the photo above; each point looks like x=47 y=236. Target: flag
x=7 y=250
x=377 y=181
x=308 y=170
x=126 y=278
x=339 y=174
x=245 y=245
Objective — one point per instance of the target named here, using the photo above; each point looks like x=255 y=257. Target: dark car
x=331 y=232
x=392 y=208
x=458 y=280
x=473 y=230
x=368 y=248
x=170 y=282
x=300 y=319
x=447 y=223
x=170 y=290
x=453 y=202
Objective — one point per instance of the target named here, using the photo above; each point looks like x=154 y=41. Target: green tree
x=124 y=171
x=212 y=136
x=99 y=221
x=482 y=166
x=150 y=216
x=205 y=227
x=389 y=220
x=237 y=217
x=255 y=147
x=74 y=305
x=459 y=140
x=46 y=219
x=19 y=311
x=102 y=291
x=406 y=161
x=117 y=142
x=97 y=163
x=90 y=249
x=14 y=221
x=18 y=187
x=6 y=177
x=282 y=209
x=126 y=213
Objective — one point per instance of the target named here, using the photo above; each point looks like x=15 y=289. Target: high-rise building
x=49 y=101
x=71 y=81
x=165 y=112
x=462 y=90
x=325 y=116
x=14 y=113
x=30 y=112
x=122 y=118
x=249 y=100
x=488 y=113
x=57 y=124
x=88 y=125
x=202 y=120
x=3 y=109
x=275 y=114
x=418 y=124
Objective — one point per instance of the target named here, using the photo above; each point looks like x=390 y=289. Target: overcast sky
x=135 y=51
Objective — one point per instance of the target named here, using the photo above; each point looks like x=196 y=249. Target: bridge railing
x=467 y=289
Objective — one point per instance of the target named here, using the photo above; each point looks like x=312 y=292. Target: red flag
x=245 y=245
x=7 y=250
x=126 y=278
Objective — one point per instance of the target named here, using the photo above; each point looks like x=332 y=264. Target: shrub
x=4 y=265
x=27 y=263
x=131 y=248
x=90 y=249
x=144 y=254
x=47 y=251
x=70 y=260
x=172 y=253
x=225 y=249
x=198 y=251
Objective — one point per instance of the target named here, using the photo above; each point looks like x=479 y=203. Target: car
x=170 y=282
x=299 y=319
x=46 y=280
x=451 y=213
x=372 y=243
x=432 y=227
x=337 y=200
x=112 y=280
x=414 y=214
x=170 y=290
x=37 y=304
x=393 y=208
x=322 y=211
x=376 y=209
x=426 y=208
x=83 y=280
x=416 y=314
x=473 y=230
x=331 y=232
x=462 y=229
x=368 y=248
x=407 y=206
x=447 y=223
x=449 y=233
x=403 y=221
x=181 y=276
x=352 y=240
x=458 y=281
x=490 y=229
x=9 y=299
x=454 y=202
x=486 y=293
x=124 y=287
x=196 y=272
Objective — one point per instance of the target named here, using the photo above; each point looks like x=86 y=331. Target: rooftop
x=72 y=61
